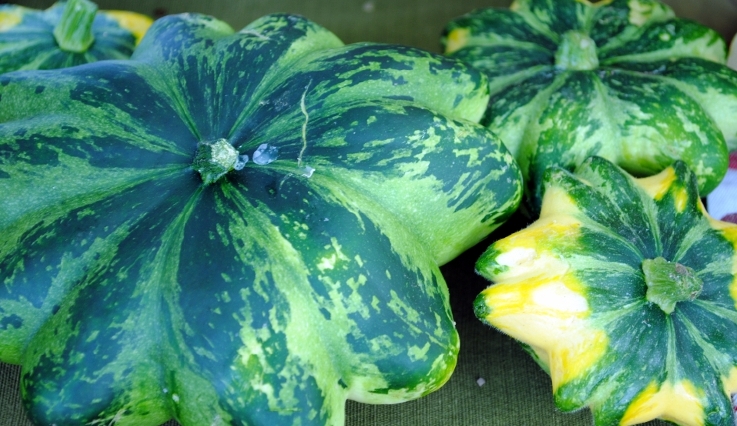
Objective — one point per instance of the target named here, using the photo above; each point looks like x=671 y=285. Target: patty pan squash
x=239 y=228
x=624 y=291
x=621 y=79
x=68 y=33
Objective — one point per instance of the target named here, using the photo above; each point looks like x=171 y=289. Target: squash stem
x=214 y=159
x=577 y=51
x=669 y=283
x=73 y=33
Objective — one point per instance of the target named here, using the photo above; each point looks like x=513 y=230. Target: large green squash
x=622 y=79
x=625 y=291
x=68 y=33
x=239 y=228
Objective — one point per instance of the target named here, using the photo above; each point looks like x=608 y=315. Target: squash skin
x=135 y=292
x=660 y=90
x=27 y=39
x=572 y=290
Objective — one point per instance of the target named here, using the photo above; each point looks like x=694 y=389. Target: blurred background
x=411 y=22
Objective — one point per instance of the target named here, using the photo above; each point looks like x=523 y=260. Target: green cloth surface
x=516 y=392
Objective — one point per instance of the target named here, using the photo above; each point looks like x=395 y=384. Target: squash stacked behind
x=622 y=79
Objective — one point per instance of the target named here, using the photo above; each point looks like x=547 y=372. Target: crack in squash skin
x=27 y=40
x=655 y=88
x=571 y=288
x=138 y=286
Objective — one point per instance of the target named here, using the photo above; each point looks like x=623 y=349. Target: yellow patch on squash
x=729 y=232
x=457 y=39
x=557 y=202
x=134 y=22
x=10 y=18
x=680 y=403
x=556 y=226
x=547 y=313
x=574 y=356
x=527 y=253
x=681 y=199
x=537 y=297
x=550 y=316
x=657 y=186
x=729 y=229
x=730 y=382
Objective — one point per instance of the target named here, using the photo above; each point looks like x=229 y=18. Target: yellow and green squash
x=624 y=291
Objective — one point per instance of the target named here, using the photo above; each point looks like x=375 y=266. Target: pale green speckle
x=418 y=354
x=355 y=302
x=473 y=156
x=403 y=309
x=93 y=336
x=84 y=213
x=375 y=302
x=383 y=344
x=329 y=262
x=358 y=157
x=439 y=326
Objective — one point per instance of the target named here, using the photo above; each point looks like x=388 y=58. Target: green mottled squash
x=621 y=79
x=239 y=228
x=68 y=33
x=625 y=292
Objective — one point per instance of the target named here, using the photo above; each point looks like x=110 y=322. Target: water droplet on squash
x=265 y=154
x=240 y=163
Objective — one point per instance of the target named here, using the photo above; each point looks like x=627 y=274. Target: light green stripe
x=308 y=340
x=520 y=130
x=36 y=191
x=707 y=48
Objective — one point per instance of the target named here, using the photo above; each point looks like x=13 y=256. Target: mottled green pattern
x=661 y=91
x=620 y=227
x=135 y=292
x=30 y=44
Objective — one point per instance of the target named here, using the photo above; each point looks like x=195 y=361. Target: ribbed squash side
x=32 y=39
x=239 y=228
x=621 y=79
x=578 y=289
